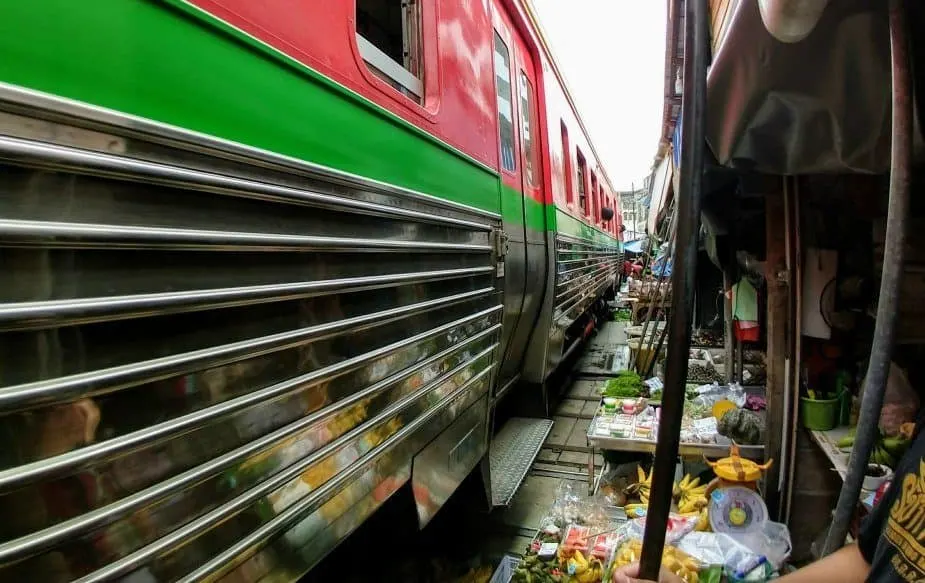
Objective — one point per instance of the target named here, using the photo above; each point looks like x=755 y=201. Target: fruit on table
x=534 y=570
x=580 y=568
x=692 y=497
x=674 y=559
x=636 y=510
x=741 y=426
x=642 y=487
x=886 y=451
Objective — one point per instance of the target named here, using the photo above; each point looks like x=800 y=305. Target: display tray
x=646 y=443
x=685 y=449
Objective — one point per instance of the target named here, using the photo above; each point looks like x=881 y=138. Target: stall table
x=647 y=445
x=638 y=303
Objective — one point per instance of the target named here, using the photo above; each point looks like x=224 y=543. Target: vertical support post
x=778 y=279
x=729 y=329
x=881 y=350
x=684 y=270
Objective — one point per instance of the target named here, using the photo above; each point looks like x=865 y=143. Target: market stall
x=715 y=416
x=718 y=531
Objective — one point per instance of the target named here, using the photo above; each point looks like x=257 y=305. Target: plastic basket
x=505 y=571
x=820 y=414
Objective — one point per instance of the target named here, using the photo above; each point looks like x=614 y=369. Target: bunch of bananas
x=635 y=510
x=642 y=487
x=580 y=568
x=690 y=495
x=673 y=559
x=887 y=450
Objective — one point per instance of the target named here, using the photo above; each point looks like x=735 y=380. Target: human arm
x=845 y=565
x=629 y=574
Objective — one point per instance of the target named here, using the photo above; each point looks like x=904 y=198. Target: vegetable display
x=626 y=384
x=741 y=426
x=887 y=450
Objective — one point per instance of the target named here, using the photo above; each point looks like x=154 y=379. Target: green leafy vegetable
x=626 y=384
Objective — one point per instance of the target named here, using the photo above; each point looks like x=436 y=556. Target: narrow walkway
x=565 y=453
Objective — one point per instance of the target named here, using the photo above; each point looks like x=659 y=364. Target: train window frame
x=567 y=164
x=406 y=77
x=528 y=127
x=508 y=164
x=582 y=182
x=595 y=197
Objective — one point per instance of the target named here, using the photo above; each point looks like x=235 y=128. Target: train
x=267 y=263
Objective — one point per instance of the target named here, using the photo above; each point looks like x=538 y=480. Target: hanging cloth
x=745 y=311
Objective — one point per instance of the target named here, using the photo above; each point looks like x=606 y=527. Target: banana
x=703 y=521
x=846 y=441
x=895 y=446
x=641 y=474
x=693 y=484
x=635 y=510
x=685 y=481
x=696 y=492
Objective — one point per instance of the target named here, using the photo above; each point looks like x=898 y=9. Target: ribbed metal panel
x=583 y=269
x=210 y=356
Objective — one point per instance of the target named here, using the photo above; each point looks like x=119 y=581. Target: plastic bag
x=674 y=559
x=772 y=542
x=571 y=508
x=738 y=561
x=678 y=526
x=708 y=395
x=900 y=402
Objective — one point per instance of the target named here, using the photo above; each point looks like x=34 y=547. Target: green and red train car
x=266 y=262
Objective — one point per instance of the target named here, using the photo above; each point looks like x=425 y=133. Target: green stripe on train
x=156 y=61
x=569 y=225
x=149 y=59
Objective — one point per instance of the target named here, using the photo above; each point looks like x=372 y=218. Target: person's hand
x=629 y=574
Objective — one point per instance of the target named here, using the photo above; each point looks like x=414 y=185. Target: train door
x=512 y=200
x=531 y=147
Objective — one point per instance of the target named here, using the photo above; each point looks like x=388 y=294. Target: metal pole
x=658 y=298
x=693 y=119
x=660 y=309
x=635 y=216
x=729 y=328
x=887 y=305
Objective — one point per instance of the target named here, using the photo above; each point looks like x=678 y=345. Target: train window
x=567 y=164
x=505 y=106
x=527 y=127
x=594 y=202
x=389 y=37
x=582 y=184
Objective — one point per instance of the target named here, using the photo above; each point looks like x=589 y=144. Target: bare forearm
x=843 y=566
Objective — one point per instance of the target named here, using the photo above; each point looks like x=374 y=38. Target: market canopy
x=634 y=246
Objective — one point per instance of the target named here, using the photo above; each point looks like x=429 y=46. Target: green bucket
x=820 y=415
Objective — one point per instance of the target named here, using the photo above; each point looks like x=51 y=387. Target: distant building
x=634 y=206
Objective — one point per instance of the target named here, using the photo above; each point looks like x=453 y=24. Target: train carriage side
x=252 y=255
x=583 y=227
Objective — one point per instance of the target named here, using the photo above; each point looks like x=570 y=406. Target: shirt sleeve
x=872 y=526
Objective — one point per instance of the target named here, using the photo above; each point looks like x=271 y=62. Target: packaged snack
x=576 y=539
x=604 y=545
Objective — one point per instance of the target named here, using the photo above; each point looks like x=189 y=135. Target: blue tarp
x=662 y=266
x=634 y=246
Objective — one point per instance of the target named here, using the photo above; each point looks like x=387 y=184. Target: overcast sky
x=612 y=53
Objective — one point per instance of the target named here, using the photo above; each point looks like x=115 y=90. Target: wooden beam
x=778 y=327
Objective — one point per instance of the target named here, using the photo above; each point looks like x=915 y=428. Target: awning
x=634 y=246
x=661 y=181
